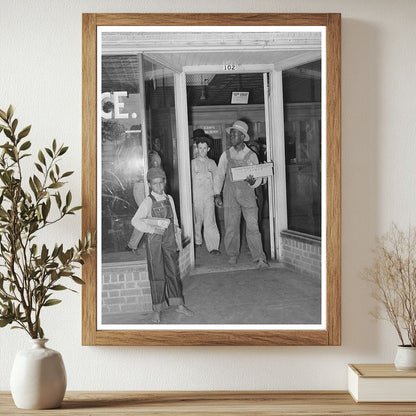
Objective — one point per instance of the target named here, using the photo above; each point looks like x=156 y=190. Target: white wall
x=40 y=74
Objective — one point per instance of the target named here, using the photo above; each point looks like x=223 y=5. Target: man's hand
x=251 y=180
x=218 y=200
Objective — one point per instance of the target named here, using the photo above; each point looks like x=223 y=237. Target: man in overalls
x=239 y=197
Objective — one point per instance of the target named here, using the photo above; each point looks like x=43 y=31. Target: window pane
x=122 y=162
x=302 y=100
x=161 y=123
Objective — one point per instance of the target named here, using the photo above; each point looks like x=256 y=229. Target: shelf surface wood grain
x=182 y=403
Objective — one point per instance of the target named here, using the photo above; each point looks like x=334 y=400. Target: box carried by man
x=257 y=171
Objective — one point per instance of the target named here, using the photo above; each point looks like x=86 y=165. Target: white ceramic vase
x=405 y=358
x=38 y=377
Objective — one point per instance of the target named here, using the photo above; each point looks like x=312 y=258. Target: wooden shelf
x=178 y=403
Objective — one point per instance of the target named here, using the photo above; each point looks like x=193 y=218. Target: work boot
x=184 y=310
x=155 y=318
x=262 y=264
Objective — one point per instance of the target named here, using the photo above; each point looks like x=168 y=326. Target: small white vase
x=405 y=358
x=38 y=377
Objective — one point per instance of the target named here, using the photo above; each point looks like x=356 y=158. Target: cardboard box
x=257 y=171
x=157 y=222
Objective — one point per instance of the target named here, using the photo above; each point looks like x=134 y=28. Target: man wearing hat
x=197 y=134
x=239 y=197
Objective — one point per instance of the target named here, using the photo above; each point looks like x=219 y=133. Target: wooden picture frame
x=331 y=333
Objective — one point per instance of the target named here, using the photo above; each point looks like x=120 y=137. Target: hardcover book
x=381 y=383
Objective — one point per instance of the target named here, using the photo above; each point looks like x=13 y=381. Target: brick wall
x=185 y=261
x=301 y=252
x=125 y=286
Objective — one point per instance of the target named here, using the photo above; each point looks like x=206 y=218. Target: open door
x=273 y=90
x=269 y=153
x=160 y=127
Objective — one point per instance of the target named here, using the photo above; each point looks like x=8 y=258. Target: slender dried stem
x=393 y=277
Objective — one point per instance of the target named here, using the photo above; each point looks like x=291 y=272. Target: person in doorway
x=157 y=146
x=255 y=146
x=239 y=197
x=157 y=218
x=203 y=170
x=154 y=161
x=196 y=135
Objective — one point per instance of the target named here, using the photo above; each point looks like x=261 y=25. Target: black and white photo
x=211 y=178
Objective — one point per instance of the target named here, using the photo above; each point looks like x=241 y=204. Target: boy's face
x=157 y=185
x=203 y=149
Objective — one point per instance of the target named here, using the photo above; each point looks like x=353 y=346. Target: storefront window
x=122 y=159
x=302 y=104
x=138 y=131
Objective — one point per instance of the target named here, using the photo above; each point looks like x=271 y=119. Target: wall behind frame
x=41 y=75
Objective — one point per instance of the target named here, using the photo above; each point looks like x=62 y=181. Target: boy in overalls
x=239 y=197
x=157 y=218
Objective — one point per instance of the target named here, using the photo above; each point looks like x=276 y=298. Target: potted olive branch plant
x=393 y=278
x=30 y=272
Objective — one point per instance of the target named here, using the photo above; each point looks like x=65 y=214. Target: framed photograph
x=186 y=255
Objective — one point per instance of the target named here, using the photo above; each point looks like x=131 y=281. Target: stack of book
x=381 y=383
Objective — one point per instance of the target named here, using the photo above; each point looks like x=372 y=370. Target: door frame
x=275 y=151
x=277 y=131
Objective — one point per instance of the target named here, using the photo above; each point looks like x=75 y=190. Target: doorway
x=214 y=102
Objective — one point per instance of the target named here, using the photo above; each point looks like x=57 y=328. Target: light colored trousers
x=204 y=216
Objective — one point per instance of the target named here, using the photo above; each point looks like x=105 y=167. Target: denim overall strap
x=240 y=189
x=161 y=209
